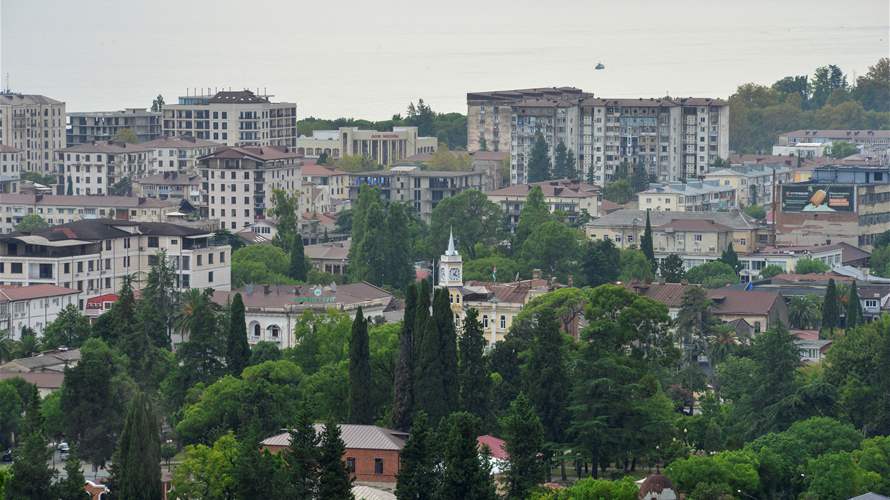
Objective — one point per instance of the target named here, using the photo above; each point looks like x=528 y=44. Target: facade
x=384 y=148
x=233 y=118
x=94 y=256
x=32 y=307
x=92 y=126
x=57 y=209
x=10 y=168
x=93 y=168
x=557 y=120
x=421 y=189
x=331 y=257
x=573 y=198
x=690 y=196
x=272 y=311
x=864 y=137
x=170 y=186
x=35 y=125
x=177 y=154
x=324 y=189
x=753 y=183
x=808 y=150
x=45 y=370
x=239 y=182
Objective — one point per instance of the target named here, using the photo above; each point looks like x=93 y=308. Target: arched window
x=274 y=331
x=256 y=330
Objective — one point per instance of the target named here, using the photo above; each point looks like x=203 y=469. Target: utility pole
x=775 y=205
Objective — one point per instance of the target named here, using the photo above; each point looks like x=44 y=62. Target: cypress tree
x=301 y=458
x=854 y=307
x=403 y=391
x=71 y=488
x=473 y=376
x=421 y=316
x=466 y=474
x=428 y=385
x=417 y=479
x=546 y=381
x=538 y=166
x=560 y=161
x=444 y=318
x=237 y=348
x=298 y=268
x=334 y=481
x=731 y=258
x=136 y=469
x=830 y=307
x=646 y=243
x=571 y=169
x=259 y=474
x=397 y=263
x=524 y=436
x=361 y=408
x=69 y=190
x=31 y=476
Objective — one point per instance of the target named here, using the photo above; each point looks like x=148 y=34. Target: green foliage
x=492 y=268
x=730 y=258
x=831 y=314
x=71 y=487
x=11 y=410
x=466 y=474
x=533 y=214
x=263 y=351
x=810 y=266
x=593 y=489
x=553 y=247
x=756 y=212
x=403 y=386
x=123 y=187
x=357 y=163
x=360 y=405
x=126 y=135
x=843 y=149
x=298 y=265
x=471 y=217
x=53 y=418
x=837 y=475
x=379 y=253
x=31 y=223
x=804 y=311
x=618 y=191
x=418 y=476
x=770 y=271
x=301 y=458
x=635 y=267
x=260 y=264
x=853 y=316
x=546 y=375
x=237 y=350
x=671 y=269
x=334 y=481
x=157 y=104
x=207 y=472
x=31 y=474
x=646 y=243
x=524 y=437
x=715 y=274
x=538 y=167
x=472 y=370
x=136 y=471
x=285 y=208
x=738 y=469
x=38 y=178
x=600 y=263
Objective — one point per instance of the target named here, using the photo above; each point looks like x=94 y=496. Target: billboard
x=818 y=198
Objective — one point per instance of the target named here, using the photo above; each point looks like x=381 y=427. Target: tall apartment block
x=233 y=118
x=94 y=126
x=34 y=124
x=674 y=138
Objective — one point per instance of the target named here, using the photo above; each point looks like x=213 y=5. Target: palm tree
x=193 y=300
x=804 y=312
x=7 y=347
x=721 y=342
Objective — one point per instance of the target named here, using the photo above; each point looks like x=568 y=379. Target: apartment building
x=59 y=209
x=91 y=126
x=177 y=154
x=233 y=118
x=32 y=307
x=238 y=183
x=94 y=256
x=691 y=196
x=35 y=125
x=10 y=168
x=322 y=175
x=384 y=148
x=556 y=119
x=574 y=199
x=92 y=169
x=170 y=186
x=753 y=183
x=863 y=137
x=420 y=189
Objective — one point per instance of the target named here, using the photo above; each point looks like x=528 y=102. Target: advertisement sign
x=818 y=198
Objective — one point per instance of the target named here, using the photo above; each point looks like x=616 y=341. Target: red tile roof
x=15 y=293
x=497 y=446
x=43 y=380
x=316 y=170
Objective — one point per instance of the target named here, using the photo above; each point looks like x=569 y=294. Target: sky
x=370 y=59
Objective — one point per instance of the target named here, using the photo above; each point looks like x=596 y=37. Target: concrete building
x=233 y=118
x=177 y=154
x=57 y=209
x=384 y=148
x=808 y=150
x=691 y=196
x=572 y=198
x=170 y=186
x=32 y=307
x=557 y=120
x=91 y=126
x=421 y=189
x=321 y=142
x=753 y=183
x=10 y=168
x=94 y=256
x=863 y=137
x=35 y=125
x=46 y=369
x=93 y=168
x=331 y=257
x=239 y=182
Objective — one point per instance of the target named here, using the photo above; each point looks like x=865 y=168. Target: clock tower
x=451 y=266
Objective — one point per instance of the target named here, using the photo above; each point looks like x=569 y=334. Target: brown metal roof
x=356 y=437
x=728 y=301
x=16 y=293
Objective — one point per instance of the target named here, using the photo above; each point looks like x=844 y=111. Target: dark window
x=210 y=277
x=350 y=465
x=378 y=466
x=152 y=242
x=15 y=268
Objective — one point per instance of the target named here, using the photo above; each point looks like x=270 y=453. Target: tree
x=534 y=213
x=804 y=312
x=470 y=217
x=31 y=476
x=755 y=212
x=136 y=471
x=259 y=474
x=126 y=135
x=771 y=271
x=854 y=307
x=158 y=103
x=156 y=310
x=444 y=318
x=639 y=180
x=69 y=329
x=714 y=274
x=323 y=158
x=123 y=187
x=571 y=169
x=843 y=149
x=837 y=475
x=646 y=244
x=538 y=167
x=635 y=267
x=831 y=308
x=403 y=386
x=361 y=410
x=546 y=376
x=298 y=265
x=69 y=186
x=827 y=80
x=560 y=160
x=428 y=382
x=262 y=263
x=301 y=458
x=31 y=223
x=601 y=262
x=237 y=348
x=672 y=269
x=71 y=487
x=730 y=258
x=207 y=472
x=418 y=477
x=873 y=88
x=398 y=266
x=810 y=266
x=466 y=474
x=618 y=191
x=524 y=436
x=472 y=372
x=334 y=482
x=552 y=246
x=200 y=358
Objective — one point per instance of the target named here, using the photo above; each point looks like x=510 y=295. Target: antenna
x=7 y=82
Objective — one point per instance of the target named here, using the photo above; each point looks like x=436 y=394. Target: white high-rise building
x=34 y=124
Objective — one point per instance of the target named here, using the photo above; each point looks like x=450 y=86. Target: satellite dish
x=600 y=66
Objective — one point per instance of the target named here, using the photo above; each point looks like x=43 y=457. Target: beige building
x=331 y=257
x=385 y=148
x=177 y=154
x=863 y=137
x=93 y=168
x=239 y=182
x=171 y=186
x=91 y=126
x=34 y=124
x=572 y=198
x=753 y=183
x=691 y=196
x=233 y=118
x=59 y=209
x=10 y=168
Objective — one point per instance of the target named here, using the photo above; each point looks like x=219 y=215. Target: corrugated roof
x=563 y=188
x=734 y=219
x=357 y=437
x=280 y=296
x=15 y=293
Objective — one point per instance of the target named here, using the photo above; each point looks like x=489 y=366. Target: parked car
x=63 y=447
x=7 y=456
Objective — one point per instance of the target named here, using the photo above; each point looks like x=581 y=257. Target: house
x=497 y=450
x=656 y=487
x=763 y=310
x=568 y=197
x=812 y=348
x=372 y=452
x=45 y=370
x=669 y=294
x=331 y=257
x=32 y=307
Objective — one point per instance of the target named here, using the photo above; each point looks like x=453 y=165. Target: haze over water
x=369 y=59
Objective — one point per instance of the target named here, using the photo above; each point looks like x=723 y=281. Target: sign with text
x=818 y=198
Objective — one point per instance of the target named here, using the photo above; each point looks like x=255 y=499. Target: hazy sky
x=370 y=58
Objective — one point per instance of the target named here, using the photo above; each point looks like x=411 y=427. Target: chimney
x=267 y=289
x=536 y=274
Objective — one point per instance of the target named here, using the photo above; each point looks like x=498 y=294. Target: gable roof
x=563 y=188
x=102 y=229
x=669 y=294
x=729 y=301
x=356 y=437
x=497 y=446
x=16 y=293
x=338 y=250
x=281 y=296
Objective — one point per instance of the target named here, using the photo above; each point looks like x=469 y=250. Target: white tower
x=451 y=266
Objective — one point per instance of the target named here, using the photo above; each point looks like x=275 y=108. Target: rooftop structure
x=90 y=126
x=572 y=198
x=691 y=196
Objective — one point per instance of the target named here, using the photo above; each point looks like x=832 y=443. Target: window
x=484 y=321
x=210 y=277
x=127 y=243
x=209 y=258
x=350 y=465
x=222 y=257
x=66 y=268
x=274 y=331
x=756 y=327
x=153 y=242
x=378 y=466
x=107 y=244
x=503 y=321
x=107 y=264
x=15 y=268
x=871 y=304
x=256 y=330
x=200 y=257
x=697 y=237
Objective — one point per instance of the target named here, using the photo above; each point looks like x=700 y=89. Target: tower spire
x=451 y=250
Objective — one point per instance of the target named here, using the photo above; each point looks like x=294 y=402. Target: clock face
x=454 y=274
x=442 y=273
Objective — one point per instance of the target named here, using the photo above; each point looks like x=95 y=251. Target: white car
x=63 y=447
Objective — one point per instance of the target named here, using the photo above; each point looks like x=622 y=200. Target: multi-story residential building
x=385 y=148
x=32 y=307
x=59 y=209
x=94 y=256
x=808 y=150
x=574 y=199
x=233 y=118
x=91 y=126
x=674 y=138
x=10 y=168
x=421 y=189
x=171 y=186
x=753 y=183
x=864 y=137
x=239 y=182
x=34 y=124
x=177 y=154
x=92 y=169
x=321 y=175
x=691 y=196
x=331 y=257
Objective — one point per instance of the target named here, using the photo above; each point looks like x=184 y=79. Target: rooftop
x=237 y=97
x=516 y=292
x=264 y=153
x=178 y=142
x=851 y=134
x=101 y=229
x=315 y=170
x=750 y=170
x=42 y=380
x=16 y=293
x=283 y=296
x=626 y=217
x=355 y=437
x=106 y=147
x=54 y=360
x=690 y=188
x=563 y=188
x=170 y=179
x=338 y=250
x=84 y=201
x=26 y=99
x=728 y=301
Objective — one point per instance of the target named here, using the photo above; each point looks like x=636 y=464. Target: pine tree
x=538 y=166
x=237 y=348
x=428 y=384
x=259 y=474
x=473 y=376
x=301 y=458
x=571 y=168
x=830 y=308
x=854 y=307
x=421 y=316
x=136 y=469
x=672 y=269
x=31 y=476
x=731 y=258
x=298 y=267
x=71 y=488
x=546 y=380
x=465 y=474
x=403 y=390
x=646 y=243
x=534 y=213
x=334 y=481
x=157 y=307
x=361 y=408
x=524 y=436
x=444 y=318
x=418 y=478
x=560 y=161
